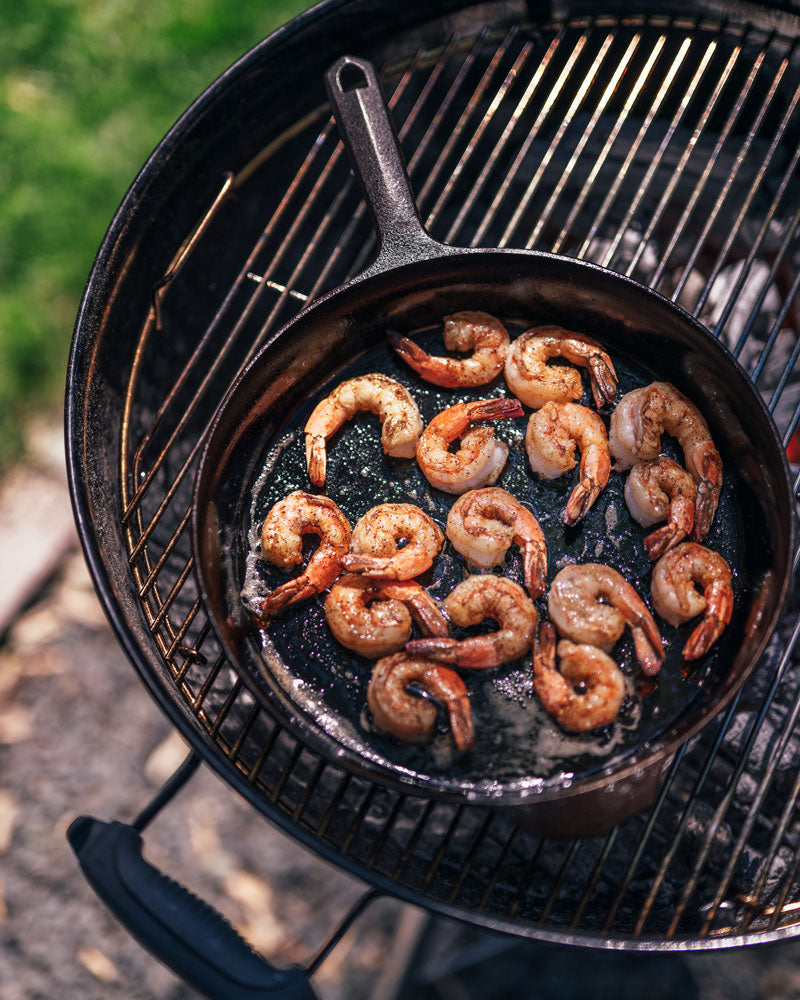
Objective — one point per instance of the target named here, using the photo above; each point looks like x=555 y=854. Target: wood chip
x=9 y=810
x=16 y=724
x=100 y=965
x=250 y=890
x=38 y=627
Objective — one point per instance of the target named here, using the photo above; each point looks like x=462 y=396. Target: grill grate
x=666 y=149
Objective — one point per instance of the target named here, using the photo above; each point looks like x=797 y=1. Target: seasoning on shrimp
x=675 y=598
x=637 y=424
x=553 y=434
x=411 y=718
x=592 y=604
x=473 y=600
x=374 y=549
x=535 y=382
x=373 y=617
x=483 y=524
x=480 y=458
x=585 y=691
x=661 y=490
x=282 y=544
x=469 y=330
x=391 y=401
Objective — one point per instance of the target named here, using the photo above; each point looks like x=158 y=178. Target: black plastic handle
x=182 y=931
x=371 y=141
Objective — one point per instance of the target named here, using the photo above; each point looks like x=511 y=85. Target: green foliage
x=87 y=89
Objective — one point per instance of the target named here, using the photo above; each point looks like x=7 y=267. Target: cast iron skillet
x=298 y=671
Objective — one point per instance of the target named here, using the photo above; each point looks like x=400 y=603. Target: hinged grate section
x=665 y=149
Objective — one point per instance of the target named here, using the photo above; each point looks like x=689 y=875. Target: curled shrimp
x=575 y=603
x=373 y=617
x=470 y=330
x=553 y=434
x=282 y=544
x=657 y=491
x=474 y=599
x=535 y=382
x=412 y=718
x=483 y=524
x=481 y=457
x=586 y=690
x=637 y=424
x=374 y=543
x=392 y=402
x=675 y=598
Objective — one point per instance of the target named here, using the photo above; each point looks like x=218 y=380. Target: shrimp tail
x=603 y=380
x=495 y=409
x=535 y=569
x=434 y=370
x=356 y=562
x=459 y=710
x=662 y=540
x=703 y=637
x=288 y=593
x=650 y=655
x=705 y=508
x=428 y=615
x=544 y=648
x=477 y=653
x=316 y=458
x=718 y=614
x=581 y=500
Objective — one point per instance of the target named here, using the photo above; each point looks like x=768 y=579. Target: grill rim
x=154 y=672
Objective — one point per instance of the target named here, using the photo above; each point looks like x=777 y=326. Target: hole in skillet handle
x=351 y=77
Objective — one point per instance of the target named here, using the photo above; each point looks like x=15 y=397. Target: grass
x=87 y=89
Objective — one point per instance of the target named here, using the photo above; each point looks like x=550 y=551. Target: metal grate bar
x=752 y=131
x=558 y=881
x=498 y=868
x=694 y=796
x=647 y=121
x=443 y=847
x=622 y=117
x=646 y=181
x=711 y=160
x=780 y=903
x=755 y=903
x=383 y=836
x=497 y=150
x=577 y=100
x=684 y=158
x=777 y=326
x=722 y=808
x=580 y=145
x=526 y=879
x=466 y=864
x=309 y=789
x=413 y=841
x=599 y=866
x=505 y=185
x=758 y=799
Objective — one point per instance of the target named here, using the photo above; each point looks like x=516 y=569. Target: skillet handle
x=182 y=931
x=371 y=141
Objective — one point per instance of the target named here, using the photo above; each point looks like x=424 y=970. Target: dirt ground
x=79 y=734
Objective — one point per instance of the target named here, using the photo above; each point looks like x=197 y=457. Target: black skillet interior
x=254 y=456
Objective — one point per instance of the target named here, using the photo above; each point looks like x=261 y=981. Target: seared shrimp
x=637 y=424
x=282 y=544
x=474 y=599
x=393 y=403
x=586 y=690
x=657 y=491
x=412 y=718
x=483 y=524
x=481 y=457
x=373 y=617
x=576 y=607
x=536 y=383
x=374 y=550
x=553 y=434
x=472 y=331
x=676 y=599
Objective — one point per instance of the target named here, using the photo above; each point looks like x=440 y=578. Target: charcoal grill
x=664 y=147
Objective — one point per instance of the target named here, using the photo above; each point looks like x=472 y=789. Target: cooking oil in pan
x=516 y=742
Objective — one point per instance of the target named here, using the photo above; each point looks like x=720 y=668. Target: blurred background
x=87 y=89
x=86 y=92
